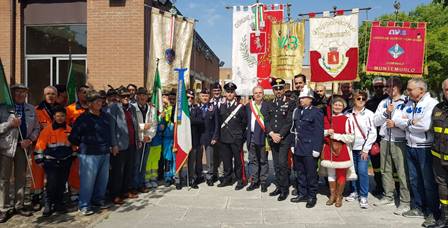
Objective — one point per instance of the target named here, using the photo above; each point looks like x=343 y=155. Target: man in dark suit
x=216 y=99
x=233 y=122
x=257 y=110
x=205 y=119
x=308 y=127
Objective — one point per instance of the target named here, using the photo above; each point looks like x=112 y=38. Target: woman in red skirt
x=336 y=156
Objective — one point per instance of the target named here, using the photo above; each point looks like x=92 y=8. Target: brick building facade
x=108 y=41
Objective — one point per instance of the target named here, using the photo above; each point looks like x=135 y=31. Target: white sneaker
x=363 y=203
x=401 y=209
x=384 y=202
x=352 y=197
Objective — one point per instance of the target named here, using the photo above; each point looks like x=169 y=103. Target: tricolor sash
x=258 y=115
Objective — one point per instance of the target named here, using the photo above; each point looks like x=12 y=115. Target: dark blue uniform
x=309 y=135
x=204 y=119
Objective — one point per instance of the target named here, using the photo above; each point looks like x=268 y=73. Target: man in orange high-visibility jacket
x=44 y=113
x=53 y=151
x=74 y=110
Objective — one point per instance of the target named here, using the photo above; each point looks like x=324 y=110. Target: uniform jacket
x=119 y=127
x=380 y=117
x=258 y=134
x=44 y=115
x=53 y=143
x=440 y=130
x=150 y=117
x=308 y=127
x=205 y=119
x=10 y=136
x=279 y=117
x=417 y=135
x=73 y=112
x=234 y=130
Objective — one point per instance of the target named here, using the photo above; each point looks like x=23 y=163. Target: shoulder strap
x=231 y=115
x=359 y=128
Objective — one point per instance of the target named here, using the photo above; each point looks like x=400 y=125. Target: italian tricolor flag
x=182 y=127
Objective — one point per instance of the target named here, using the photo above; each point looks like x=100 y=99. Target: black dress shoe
x=311 y=203
x=224 y=184
x=299 y=199
x=239 y=186
x=264 y=187
x=48 y=211
x=210 y=182
x=178 y=186
x=282 y=196
x=5 y=216
x=22 y=212
x=252 y=187
x=276 y=192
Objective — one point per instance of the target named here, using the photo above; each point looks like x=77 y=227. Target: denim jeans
x=93 y=174
x=140 y=171
x=421 y=180
x=361 y=185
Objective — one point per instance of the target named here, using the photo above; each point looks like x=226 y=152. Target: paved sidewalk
x=224 y=207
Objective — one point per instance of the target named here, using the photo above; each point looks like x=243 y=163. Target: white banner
x=334 y=48
x=165 y=33
x=244 y=64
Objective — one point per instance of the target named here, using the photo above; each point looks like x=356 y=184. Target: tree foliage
x=436 y=42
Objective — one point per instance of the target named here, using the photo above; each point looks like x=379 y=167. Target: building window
x=54 y=39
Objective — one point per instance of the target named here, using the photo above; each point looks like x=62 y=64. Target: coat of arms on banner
x=257 y=43
x=333 y=61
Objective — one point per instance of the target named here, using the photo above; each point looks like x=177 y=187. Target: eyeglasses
x=190 y=97
x=378 y=86
x=125 y=97
x=361 y=99
x=278 y=88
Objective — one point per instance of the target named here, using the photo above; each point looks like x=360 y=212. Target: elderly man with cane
x=19 y=128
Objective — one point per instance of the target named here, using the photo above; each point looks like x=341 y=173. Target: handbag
x=375 y=150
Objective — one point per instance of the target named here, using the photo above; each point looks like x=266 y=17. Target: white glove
x=316 y=154
x=292 y=150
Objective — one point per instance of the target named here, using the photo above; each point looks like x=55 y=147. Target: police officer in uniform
x=216 y=99
x=278 y=128
x=194 y=157
x=308 y=127
x=205 y=118
x=439 y=151
x=233 y=122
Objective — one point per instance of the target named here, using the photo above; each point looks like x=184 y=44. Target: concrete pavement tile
x=301 y=216
x=218 y=216
x=194 y=201
x=260 y=203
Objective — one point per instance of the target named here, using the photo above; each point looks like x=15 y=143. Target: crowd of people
x=111 y=146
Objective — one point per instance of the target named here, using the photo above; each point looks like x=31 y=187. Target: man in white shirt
x=415 y=119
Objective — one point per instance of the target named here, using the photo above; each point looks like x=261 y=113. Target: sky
x=215 y=21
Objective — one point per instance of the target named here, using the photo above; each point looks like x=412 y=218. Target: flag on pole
x=182 y=127
x=156 y=98
x=71 y=83
x=5 y=95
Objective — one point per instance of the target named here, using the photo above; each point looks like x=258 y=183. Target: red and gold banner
x=397 y=50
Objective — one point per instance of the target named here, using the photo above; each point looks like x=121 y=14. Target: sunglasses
x=125 y=97
x=190 y=97
x=319 y=91
x=278 y=88
x=378 y=87
x=361 y=99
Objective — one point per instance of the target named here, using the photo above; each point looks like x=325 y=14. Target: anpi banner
x=396 y=50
